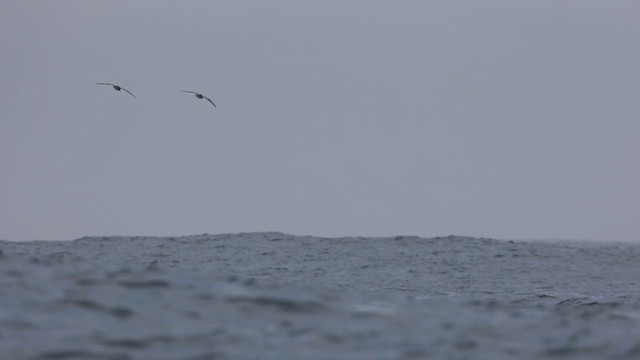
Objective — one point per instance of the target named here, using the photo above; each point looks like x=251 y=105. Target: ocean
x=278 y=296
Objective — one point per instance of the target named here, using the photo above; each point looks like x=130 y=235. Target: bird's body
x=118 y=88
x=200 y=96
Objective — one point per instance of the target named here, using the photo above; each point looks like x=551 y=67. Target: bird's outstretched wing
x=128 y=92
x=192 y=92
x=214 y=105
x=105 y=84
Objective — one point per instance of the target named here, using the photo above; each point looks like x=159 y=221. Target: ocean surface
x=278 y=296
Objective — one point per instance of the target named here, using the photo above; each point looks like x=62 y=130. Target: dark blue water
x=275 y=296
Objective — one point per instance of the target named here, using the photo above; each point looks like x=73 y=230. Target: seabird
x=118 y=88
x=200 y=96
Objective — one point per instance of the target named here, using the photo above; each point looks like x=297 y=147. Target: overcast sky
x=508 y=119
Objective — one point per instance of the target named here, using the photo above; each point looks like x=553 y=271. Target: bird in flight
x=118 y=88
x=200 y=96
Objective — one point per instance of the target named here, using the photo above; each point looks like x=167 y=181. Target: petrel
x=200 y=96
x=118 y=88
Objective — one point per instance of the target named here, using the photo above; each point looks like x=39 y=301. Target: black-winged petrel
x=200 y=96
x=118 y=88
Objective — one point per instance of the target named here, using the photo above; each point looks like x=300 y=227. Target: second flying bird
x=200 y=96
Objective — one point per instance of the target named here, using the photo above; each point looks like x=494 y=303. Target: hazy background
x=510 y=119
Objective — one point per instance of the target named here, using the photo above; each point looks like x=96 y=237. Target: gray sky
x=510 y=119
